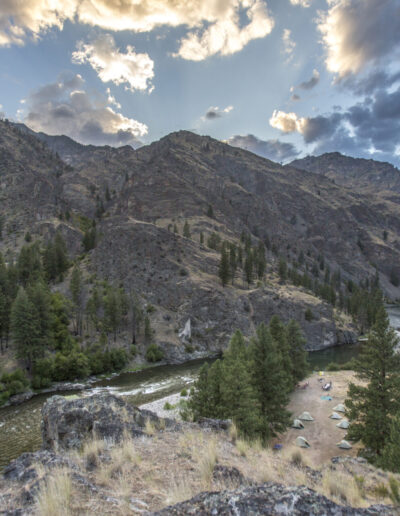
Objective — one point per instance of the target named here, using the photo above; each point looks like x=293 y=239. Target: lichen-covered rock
x=67 y=423
x=268 y=499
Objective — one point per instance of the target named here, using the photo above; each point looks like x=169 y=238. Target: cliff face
x=142 y=194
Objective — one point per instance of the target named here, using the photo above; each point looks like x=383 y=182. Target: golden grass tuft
x=341 y=487
x=207 y=461
x=243 y=447
x=54 y=496
x=149 y=428
x=179 y=490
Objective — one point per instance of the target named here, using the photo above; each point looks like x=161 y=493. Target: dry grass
x=149 y=428
x=341 y=487
x=54 y=496
x=295 y=457
x=180 y=489
x=207 y=461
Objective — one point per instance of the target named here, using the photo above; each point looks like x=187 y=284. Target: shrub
x=308 y=315
x=154 y=353
x=168 y=406
x=184 y=392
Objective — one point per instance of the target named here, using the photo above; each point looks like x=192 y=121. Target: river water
x=20 y=425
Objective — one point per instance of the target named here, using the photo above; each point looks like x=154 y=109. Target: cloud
x=132 y=69
x=357 y=33
x=311 y=83
x=227 y=35
x=302 y=3
x=370 y=125
x=286 y=122
x=214 y=112
x=216 y=27
x=288 y=44
x=64 y=107
x=295 y=97
x=274 y=150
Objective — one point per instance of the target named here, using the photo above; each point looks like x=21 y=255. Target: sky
x=282 y=78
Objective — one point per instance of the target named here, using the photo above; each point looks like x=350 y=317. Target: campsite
x=322 y=433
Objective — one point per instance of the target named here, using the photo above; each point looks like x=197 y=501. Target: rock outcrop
x=268 y=499
x=67 y=423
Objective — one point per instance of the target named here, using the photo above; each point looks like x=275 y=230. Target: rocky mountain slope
x=137 y=199
x=365 y=175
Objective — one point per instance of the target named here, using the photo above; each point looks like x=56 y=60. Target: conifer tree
x=391 y=452
x=223 y=270
x=201 y=238
x=148 y=332
x=199 y=399
x=297 y=352
x=270 y=383
x=210 y=211
x=186 y=230
x=282 y=269
x=238 y=396
x=24 y=328
x=278 y=333
x=232 y=261
x=248 y=268
x=261 y=262
x=372 y=406
x=112 y=312
x=75 y=287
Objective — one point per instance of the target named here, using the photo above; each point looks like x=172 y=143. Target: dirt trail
x=322 y=433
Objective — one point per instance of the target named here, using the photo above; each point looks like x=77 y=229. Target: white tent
x=297 y=424
x=302 y=442
x=345 y=445
x=306 y=416
x=335 y=415
x=343 y=424
x=340 y=408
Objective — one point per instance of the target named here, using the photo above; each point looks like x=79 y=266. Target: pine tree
x=282 y=269
x=112 y=312
x=238 y=396
x=270 y=383
x=371 y=406
x=261 y=262
x=201 y=238
x=186 y=230
x=199 y=399
x=223 y=270
x=40 y=299
x=75 y=287
x=391 y=452
x=148 y=332
x=232 y=261
x=297 y=352
x=24 y=328
x=278 y=333
x=210 y=211
x=248 y=268
x=61 y=255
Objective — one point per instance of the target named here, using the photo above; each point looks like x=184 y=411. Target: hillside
x=366 y=175
x=138 y=198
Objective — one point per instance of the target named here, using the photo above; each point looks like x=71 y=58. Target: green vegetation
x=372 y=407
x=252 y=383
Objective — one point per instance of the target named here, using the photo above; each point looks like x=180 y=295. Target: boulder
x=67 y=423
x=267 y=499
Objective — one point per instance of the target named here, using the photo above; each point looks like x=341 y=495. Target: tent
x=340 y=408
x=306 y=416
x=343 y=424
x=297 y=424
x=302 y=442
x=335 y=415
x=345 y=445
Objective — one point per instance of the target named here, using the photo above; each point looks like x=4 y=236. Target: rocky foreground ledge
x=114 y=458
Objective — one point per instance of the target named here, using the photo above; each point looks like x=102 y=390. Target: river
x=20 y=425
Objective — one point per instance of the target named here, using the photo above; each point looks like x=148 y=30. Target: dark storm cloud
x=274 y=150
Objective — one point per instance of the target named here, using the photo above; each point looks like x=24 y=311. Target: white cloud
x=288 y=44
x=302 y=3
x=215 y=26
x=226 y=36
x=64 y=107
x=287 y=122
x=359 y=32
x=112 y=65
